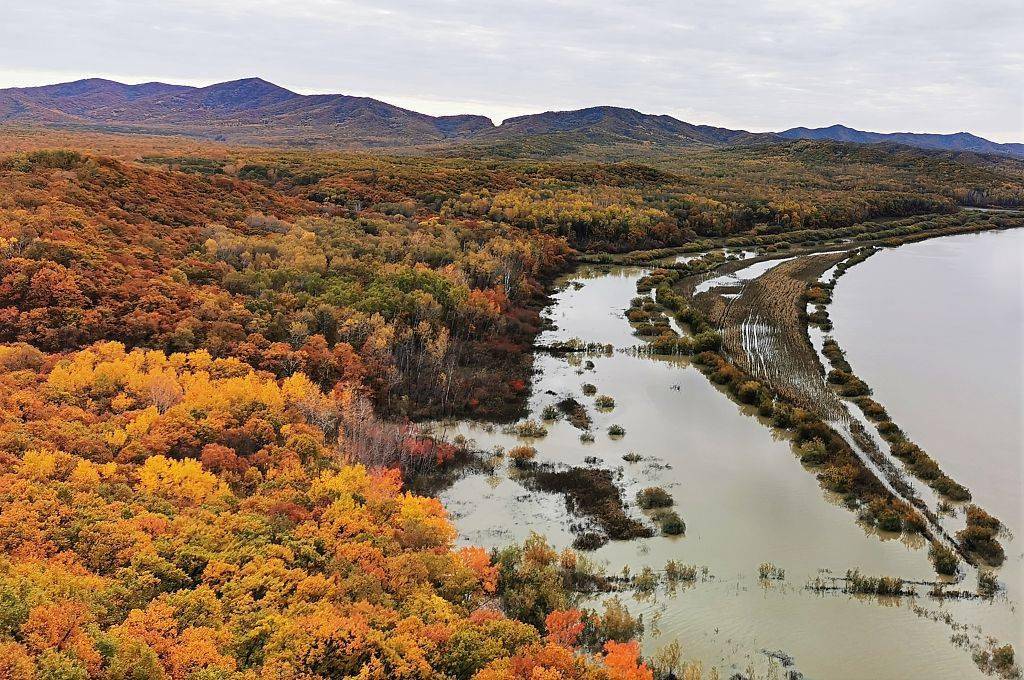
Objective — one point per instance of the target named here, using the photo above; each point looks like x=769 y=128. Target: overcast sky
x=885 y=65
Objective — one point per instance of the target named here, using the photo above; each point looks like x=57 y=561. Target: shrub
x=950 y=489
x=632 y=457
x=531 y=429
x=637 y=315
x=654 y=497
x=587 y=437
x=616 y=431
x=590 y=540
x=813 y=452
x=707 y=341
x=768 y=571
x=889 y=520
x=1002 y=658
x=749 y=392
x=616 y=623
x=945 y=560
x=982 y=541
x=589 y=389
x=604 y=401
x=872 y=585
x=979 y=517
x=890 y=431
x=988 y=586
x=550 y=412
x=871 y=408
x=646 y=581
x=855 y=388
x=925 y=467
x=671 y=523
x=675 y=572
x=979 y=536
x=521 y=455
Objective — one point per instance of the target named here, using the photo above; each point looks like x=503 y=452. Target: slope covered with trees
x=212 y=361
x=184 y=517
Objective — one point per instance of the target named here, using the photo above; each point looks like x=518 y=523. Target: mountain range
x=960 y=141
x=253 y=110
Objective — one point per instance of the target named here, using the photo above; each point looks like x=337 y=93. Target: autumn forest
x=217 y=363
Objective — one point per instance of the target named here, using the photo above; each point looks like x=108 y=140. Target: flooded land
x=934 y=327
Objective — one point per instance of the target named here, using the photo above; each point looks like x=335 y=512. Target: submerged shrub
x=675 y=572
x=590 y=540
x=671 y=523
x=589 y=389
x=604 y=401
x=520 y=455
x=988 y=585
x=616 y=431
x=654 y=497
x=951 y=489
x=943 y=558
x=871 y=408
x=531 y=429
x=979 y=536
x=768 y=571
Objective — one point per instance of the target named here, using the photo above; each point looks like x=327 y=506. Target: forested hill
x=960 y=141
x=254 y=111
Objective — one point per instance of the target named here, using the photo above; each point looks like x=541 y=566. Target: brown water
x=745 y=499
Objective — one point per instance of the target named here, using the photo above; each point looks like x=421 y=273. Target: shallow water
x=745 y=498
x=937 y=329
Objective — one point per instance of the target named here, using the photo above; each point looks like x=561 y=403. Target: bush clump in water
x=603 y=401
x=943 y=559
x=616 y=431
x=769 y=572
x=872 y=585
x=979 y=536
x=632 y=457
x=671 y=523
x=589 y=540
x=676 y=572
x=749 y=392
x=988 y=585
x=951 y=489
x=522 y=455
x=654 y=497
x=871 y=408
x=589 y=389
x=531 y=429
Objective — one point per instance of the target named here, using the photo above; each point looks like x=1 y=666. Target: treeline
x=773 y=189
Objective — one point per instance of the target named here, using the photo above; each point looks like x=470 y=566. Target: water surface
x=745 y=498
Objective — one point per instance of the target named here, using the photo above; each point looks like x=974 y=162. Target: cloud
x=935 y=65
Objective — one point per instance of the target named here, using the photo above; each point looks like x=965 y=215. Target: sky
x=882 y=65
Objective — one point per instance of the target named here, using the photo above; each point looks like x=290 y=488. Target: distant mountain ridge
x=960 y=141
x=257 y=111
x=253 y=110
